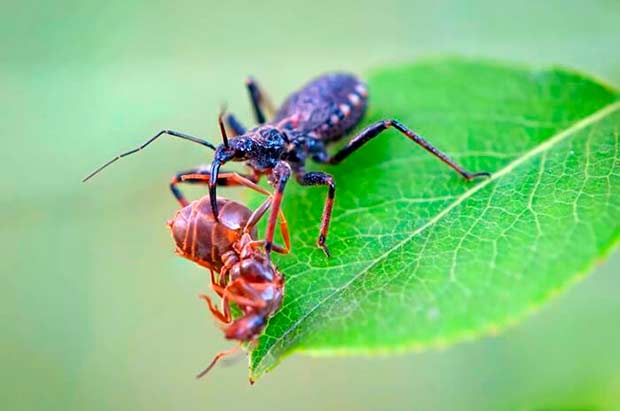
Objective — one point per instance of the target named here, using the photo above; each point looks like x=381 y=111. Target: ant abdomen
x=202 y=239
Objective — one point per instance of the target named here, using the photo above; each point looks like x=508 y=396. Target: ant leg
x=375 y=129
x=226 y=307
x=314 y=178
x=274 y=247
x=216 y=359
x=215 y=281
x=281 y=172
x=227 y=178
x=216 y=313
x=257 y=215
x=228 y=292
x=202 y=175
x=255 y=218
x=258 y=99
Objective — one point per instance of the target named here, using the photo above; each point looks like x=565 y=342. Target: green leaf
x=422 y=258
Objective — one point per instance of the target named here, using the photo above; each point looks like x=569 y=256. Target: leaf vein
x=546 y=145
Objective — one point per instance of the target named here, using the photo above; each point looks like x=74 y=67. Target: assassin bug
x=320 y=113
x=229 y=246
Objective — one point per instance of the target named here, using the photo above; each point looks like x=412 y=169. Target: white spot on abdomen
x=361 y=90
x=354 y=99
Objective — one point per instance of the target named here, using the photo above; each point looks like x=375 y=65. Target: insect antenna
x=220 y=120
x=149 y=141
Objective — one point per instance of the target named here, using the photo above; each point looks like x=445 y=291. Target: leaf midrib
x=547 y=144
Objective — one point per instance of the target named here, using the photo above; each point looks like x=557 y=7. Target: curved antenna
x=149 y=141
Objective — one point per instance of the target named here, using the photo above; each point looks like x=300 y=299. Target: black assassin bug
x=320 y=113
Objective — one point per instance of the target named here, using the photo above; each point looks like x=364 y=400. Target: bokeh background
x=96 y=310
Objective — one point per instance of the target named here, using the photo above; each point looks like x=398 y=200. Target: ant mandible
x=320 y=113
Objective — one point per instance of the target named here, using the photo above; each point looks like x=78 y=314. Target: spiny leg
x=259 y=100
x=375 y=129
x=202 y=175
x=216 y=359
x=282 y=172
x=319 y=178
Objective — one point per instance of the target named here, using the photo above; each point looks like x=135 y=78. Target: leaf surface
x=422 y=258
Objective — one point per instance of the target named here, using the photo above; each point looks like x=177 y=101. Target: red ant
x=322 y=112
x=228 y=246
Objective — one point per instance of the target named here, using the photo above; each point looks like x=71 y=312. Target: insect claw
x=471 y=176
x=324 y=248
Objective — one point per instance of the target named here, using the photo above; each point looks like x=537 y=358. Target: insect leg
x=213 y=280
x=202 y=175
x=216 y=313
x=375 y=129
x=274 y=247
x=234 y=124
x=255 y=218
x=282 y=172
x=216 y=359
x=314 y=178
x=233 y=293
x=259 y=100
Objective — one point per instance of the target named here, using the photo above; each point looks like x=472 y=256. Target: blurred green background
x=97 y=311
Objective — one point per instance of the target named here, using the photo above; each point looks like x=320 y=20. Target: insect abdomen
x=330 y=105
x=202 y=239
